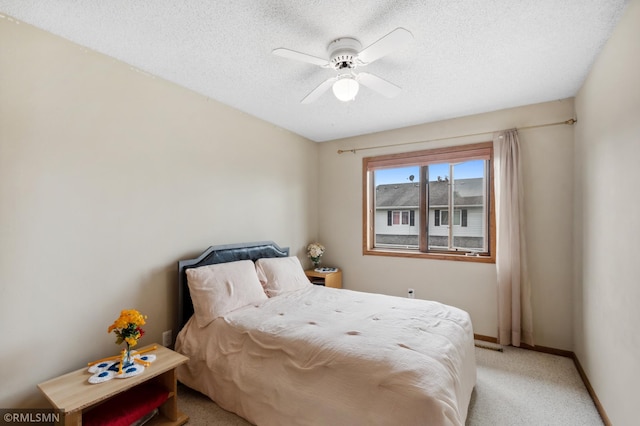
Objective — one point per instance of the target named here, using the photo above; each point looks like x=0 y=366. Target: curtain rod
x=570 y=121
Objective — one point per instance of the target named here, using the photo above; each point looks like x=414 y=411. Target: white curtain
x=514 y=289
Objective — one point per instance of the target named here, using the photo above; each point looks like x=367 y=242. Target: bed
x=268 y=345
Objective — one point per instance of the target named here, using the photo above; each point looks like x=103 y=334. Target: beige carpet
x=515 y=387
x=523 y=387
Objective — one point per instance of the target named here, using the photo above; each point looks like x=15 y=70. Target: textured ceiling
x=467 y=57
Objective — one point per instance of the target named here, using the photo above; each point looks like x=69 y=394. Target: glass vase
x=127 y=360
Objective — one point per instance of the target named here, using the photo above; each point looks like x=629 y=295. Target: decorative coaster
x=326 y=269
x=102 y=376
x=107 y=370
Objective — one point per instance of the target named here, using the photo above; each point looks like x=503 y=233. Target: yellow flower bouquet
x=128 y=327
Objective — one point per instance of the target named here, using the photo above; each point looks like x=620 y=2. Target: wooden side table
x=74 y=395
x=327 y=279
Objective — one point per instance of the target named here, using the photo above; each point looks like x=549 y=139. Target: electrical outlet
x=166 y=338
x=411 y=294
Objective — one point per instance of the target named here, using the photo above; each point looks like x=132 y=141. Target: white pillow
x=221 y=288
x=281 y=275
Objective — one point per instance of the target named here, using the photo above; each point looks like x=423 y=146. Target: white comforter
x=323 y=356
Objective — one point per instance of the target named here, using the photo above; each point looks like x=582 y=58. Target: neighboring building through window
x=435 y=203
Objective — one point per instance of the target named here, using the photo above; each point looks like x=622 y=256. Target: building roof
x=467 y=192
x=398 y=195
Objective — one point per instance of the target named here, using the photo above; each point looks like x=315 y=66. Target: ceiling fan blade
x=378 y=84
x=292 y=54
x=387 y=44
x=318 y=91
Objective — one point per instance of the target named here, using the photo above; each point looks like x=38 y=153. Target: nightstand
x=76 y=397
x=327 y=279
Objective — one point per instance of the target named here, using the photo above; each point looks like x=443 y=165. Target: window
x=400 y=218
x=433 y=204
x=441 y=217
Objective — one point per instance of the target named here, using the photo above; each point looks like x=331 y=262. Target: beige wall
x=607 y=225
x=109 y=176
x=548 y=173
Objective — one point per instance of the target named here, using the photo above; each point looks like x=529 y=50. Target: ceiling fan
x=345 y=55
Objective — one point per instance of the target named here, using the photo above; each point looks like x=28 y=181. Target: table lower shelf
x=127 y=407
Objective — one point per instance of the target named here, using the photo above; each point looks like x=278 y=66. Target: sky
x=468 y=169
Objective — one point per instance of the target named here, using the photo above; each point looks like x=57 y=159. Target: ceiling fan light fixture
x=346 y=88
x=345 y=55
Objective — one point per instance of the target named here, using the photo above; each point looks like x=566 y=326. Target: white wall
x=107 y=178
x=548 y=173
x=607 y=222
